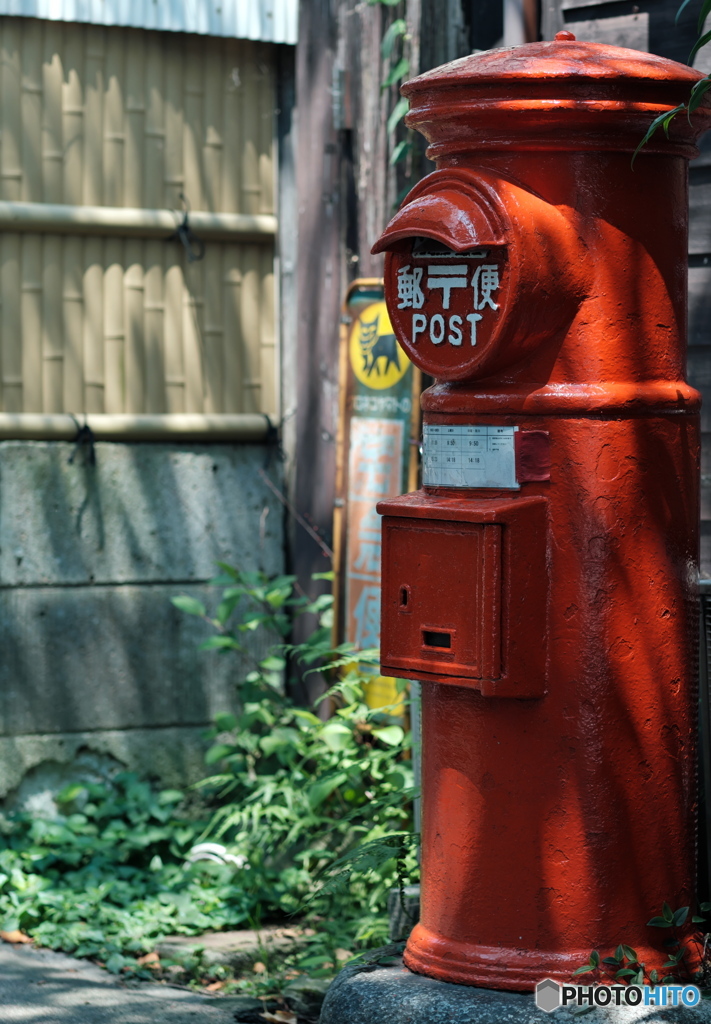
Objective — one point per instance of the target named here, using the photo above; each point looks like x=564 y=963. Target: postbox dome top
x=564 y=94
x=568 y=59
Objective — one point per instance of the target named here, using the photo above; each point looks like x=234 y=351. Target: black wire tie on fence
x=194 y=246
x=272 y=440
x=84 y=441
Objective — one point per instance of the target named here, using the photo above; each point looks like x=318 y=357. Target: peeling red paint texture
x=533 y=455
x=560 y=823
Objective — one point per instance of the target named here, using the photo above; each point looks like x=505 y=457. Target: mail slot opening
x=404 y=596
x=431 y=639
x=423 y=248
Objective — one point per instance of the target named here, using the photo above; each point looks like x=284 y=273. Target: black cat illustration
x=374 y=347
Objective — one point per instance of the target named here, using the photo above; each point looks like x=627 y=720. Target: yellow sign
x=376 y=358
x=381 y=691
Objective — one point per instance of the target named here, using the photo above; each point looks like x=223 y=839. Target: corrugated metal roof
x=271 y=21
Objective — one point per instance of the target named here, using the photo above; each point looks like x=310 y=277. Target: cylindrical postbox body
x=542 y=583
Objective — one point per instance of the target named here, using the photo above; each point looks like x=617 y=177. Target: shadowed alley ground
x=38 y=986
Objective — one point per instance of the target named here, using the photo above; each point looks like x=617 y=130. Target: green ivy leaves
x=670 y=918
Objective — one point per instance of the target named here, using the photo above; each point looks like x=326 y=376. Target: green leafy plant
x=320 y=809
x=704 y=37
x=395 y=54
x=623 y=967
x=699 y=89
x=315 y=811
x=106 y=877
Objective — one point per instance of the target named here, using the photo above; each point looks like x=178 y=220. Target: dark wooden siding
x=699 y=355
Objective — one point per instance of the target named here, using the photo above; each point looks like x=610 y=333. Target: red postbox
x=542 y=582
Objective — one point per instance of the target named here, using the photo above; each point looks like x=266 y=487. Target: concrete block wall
x=94 y=657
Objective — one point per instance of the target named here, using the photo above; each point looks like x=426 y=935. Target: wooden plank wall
x=123 y=117
x=626 y=23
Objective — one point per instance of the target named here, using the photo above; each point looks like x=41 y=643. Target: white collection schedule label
x=466 y=455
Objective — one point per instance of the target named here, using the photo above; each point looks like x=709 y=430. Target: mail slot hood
x=505 y=268
x=458 y=216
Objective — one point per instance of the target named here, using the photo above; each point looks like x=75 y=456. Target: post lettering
x=473 y=319
x=437 y=329
x=419 y=324
x=455 y=335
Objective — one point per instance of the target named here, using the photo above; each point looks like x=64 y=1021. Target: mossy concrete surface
x=239 y=950
x=90 y=557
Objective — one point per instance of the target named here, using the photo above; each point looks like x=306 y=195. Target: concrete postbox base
x=375 y=993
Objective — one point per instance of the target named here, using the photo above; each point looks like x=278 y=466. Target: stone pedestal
x=381 y=990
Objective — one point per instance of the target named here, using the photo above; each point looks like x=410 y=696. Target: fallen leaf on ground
x=15 y=936
x=280 y=1017
x=343 y=954
x=149 y=960
x=215 y=986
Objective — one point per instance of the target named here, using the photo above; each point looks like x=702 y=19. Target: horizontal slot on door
x=432 y=639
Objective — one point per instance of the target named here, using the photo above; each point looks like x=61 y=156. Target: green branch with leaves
x=699 y=90
x=394 y=50
x=321 y=808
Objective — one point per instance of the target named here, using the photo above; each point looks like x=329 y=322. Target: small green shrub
x=107 y=876
x=320 y=809
x=317 y=812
